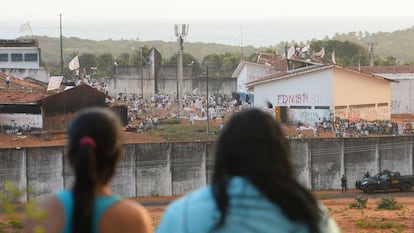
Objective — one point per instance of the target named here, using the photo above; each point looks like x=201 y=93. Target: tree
x=88 y=60
x=347 y=53
x=214 y=62
x=188 y=59
x=221 y=65
x=106 y=65
x=388 y=61
x=139 y=56
x=124 y=60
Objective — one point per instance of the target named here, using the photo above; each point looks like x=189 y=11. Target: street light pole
x=116 y=74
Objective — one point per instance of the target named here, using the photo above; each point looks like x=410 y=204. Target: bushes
x=360 y=203
x=13 y=220
x=389 y=203
x=386 y=203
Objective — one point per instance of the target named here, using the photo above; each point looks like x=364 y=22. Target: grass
x=381 y=225
x=174 y=130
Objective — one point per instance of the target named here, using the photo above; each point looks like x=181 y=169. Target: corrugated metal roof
x=19 y=43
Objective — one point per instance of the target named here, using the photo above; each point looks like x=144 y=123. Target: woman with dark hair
x=253 y=188
x=93 y=150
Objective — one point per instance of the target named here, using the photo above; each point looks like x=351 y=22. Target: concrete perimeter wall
x=164 y=169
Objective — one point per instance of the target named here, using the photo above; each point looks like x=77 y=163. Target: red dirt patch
x=368 y=220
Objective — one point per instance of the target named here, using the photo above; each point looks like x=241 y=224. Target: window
x=322 y=107
x=4 y=57
x=30 y=57
x=300 y=107
x=340 y=107
x=17 y=57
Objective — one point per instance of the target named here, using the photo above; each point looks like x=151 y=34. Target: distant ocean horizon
x=237 y=32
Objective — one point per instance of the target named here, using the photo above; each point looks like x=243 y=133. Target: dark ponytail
x=94 y=148
x=83 y=190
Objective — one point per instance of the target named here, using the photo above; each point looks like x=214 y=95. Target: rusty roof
x=275 y=60
x=13 y=96
x=16 y=83
x=21 y=96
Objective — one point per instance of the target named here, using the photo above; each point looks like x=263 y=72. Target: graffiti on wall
x=33 y=120
x=298 y=98
x=399 y=106
x=395 y=104
x=308 y=116
x=369 y=114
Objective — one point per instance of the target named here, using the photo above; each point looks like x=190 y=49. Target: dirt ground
x=368 y=220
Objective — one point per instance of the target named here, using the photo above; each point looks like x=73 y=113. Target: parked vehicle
x=386 y=180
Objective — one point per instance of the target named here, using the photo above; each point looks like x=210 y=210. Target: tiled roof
x=386 y=69
x=277 y=61
x=20 y=97
x=16 y=83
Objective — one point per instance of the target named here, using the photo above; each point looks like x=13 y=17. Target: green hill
x=397 y=44
x=51 y=48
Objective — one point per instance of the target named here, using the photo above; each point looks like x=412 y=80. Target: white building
x=248 y=72
x=402 y=90
x=21 y=59
x=317 y=92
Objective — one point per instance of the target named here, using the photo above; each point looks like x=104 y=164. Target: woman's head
x=94 y=148
x=253 y=145
x=96 y=134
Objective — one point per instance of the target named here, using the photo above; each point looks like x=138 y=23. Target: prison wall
x=176 y=168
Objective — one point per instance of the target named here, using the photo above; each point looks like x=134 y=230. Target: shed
x=46 y=111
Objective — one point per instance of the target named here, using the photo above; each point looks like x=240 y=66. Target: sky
x=234 y=22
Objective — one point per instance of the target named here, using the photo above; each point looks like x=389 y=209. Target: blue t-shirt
x=102 y=203
x=248 y=212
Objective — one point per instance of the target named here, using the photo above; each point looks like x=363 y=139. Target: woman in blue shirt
x=253 y=188
x=94 y=148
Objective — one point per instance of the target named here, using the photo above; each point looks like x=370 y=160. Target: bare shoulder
x=47 y=214
x=127 y=215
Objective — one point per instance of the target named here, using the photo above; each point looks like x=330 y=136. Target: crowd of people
x=361 y=128
x=144 y=113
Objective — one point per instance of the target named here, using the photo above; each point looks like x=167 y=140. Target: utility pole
x=181 y=31
x=371 y=53
x=207 y=111
x=142 y=72
x=61 y=46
